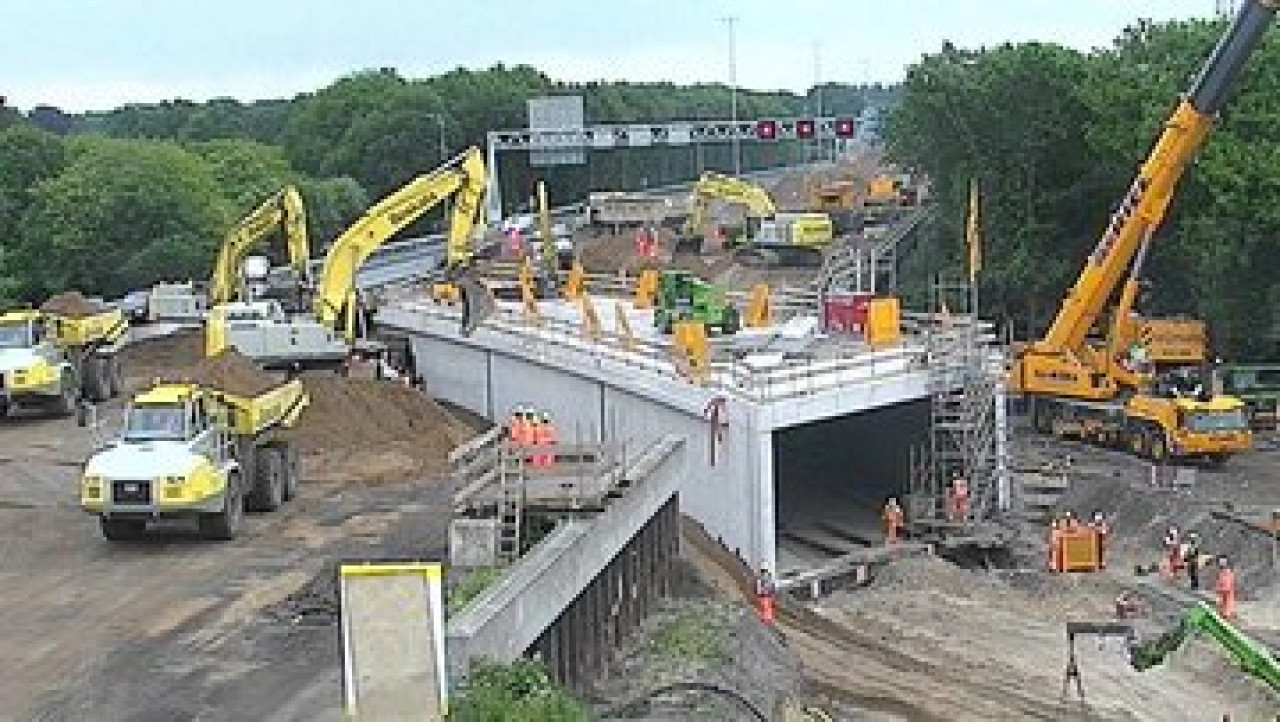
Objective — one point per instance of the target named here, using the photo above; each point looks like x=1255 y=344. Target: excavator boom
x=716 y=187
x=284 y=211
x=461 y=179
x=1252 y=657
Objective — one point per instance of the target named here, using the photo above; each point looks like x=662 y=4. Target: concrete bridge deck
x=770 y=433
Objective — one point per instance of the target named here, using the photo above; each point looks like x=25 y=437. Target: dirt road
x=178 y=628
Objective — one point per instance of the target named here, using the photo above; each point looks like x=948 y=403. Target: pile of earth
x=373 y=430
x=353 y=429
x=72 y=304
x=234 y=374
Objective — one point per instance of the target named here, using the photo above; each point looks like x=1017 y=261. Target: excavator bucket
x=477 y=303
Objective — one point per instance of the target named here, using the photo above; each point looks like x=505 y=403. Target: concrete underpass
x=832 y=477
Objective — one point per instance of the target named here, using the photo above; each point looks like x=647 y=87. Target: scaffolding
x=968 y=429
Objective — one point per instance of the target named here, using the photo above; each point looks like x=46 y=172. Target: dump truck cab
x=188 y=451
x=52 y=362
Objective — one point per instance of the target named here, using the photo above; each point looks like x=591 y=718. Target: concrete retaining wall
x=510 y=617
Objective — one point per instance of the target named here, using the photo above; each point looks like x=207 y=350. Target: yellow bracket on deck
x=625 y=335
x=760 y=309
x=646 y=289
x=575 y=286
x=590 y=319
x=692 y=350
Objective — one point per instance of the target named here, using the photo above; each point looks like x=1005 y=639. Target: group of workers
x=957 y=510
x=1183 y=554
x=532 y=429
x=647 y=243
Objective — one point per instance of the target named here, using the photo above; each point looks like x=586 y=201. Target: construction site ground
x=929 y=639
x=181 y=628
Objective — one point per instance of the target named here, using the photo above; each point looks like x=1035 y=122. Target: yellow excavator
x=769 y=237
x=284 y=212
x=336 y=323
x=1091 y=390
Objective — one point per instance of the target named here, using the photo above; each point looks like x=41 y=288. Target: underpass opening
x=833 y=477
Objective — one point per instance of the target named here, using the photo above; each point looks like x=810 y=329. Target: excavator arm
x=1252 y=657
x=716 y=187
x=284 y=211
x=462 y=178
x=1143 y=207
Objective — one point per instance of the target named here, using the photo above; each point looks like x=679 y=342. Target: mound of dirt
x=164 y=355
x=233 y=373
x=609 y=254
x=72 y=304
x=372 y=430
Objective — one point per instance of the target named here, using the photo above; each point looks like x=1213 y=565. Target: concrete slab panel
x=458 y=374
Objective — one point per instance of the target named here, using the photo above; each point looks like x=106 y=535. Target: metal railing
x=758 y=376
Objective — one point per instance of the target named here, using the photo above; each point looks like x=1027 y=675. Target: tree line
x=1054 y=137
x=105 y=202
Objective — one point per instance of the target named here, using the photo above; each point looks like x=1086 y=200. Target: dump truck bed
x=276 y=408
x=106 y=327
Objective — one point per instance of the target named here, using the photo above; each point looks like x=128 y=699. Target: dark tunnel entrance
x=832 y=478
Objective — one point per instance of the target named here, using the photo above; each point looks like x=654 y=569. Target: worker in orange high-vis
x=536 y=439
x=550 y=437
x=517 y=428
x=1226 y=589
x=1172 y=553
x=958 y=495
x=1055 y=545
x=893 y=521
x=1101 y=529
x=766 y=597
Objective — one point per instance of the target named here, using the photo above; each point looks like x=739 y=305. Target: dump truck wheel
x=115 y=378
x=67 y=398
x=122 y=529
x=291 y=473
x=267 y=493
x=225 y=525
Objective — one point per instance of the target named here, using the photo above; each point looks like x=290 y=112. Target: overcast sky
x=97 y=54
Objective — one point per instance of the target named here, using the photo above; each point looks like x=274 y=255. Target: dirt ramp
x=372 y=430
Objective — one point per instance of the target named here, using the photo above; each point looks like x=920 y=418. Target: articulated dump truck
x=197 y=449
x=54 y=357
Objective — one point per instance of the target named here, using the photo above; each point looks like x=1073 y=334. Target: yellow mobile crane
x=770 y=237
x=283 y=211
x=323 y=338
x=1081 y=388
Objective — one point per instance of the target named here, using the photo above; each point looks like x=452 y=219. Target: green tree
x=28 y=155
x=332 y=205
x=121 y=216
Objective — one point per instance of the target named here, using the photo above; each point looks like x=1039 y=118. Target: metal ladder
x=511 y=487
x=963 y=424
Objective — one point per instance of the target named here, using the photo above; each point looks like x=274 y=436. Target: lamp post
x=444 y=149
x=733 y=94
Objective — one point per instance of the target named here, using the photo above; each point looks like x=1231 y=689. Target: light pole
x=444 y=149
x=733 y=94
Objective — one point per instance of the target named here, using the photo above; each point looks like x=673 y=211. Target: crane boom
x=284 y=210
x=1143 y=207
x=462 y=178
